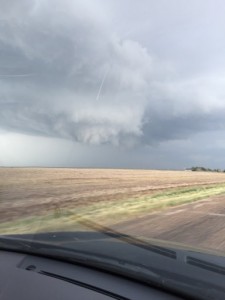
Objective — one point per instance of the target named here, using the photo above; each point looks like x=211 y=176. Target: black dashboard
x=26 y=277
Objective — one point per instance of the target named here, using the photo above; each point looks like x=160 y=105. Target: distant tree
x=198 y=169
x=203 y=169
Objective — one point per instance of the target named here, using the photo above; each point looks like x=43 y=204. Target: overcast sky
x=112 y=83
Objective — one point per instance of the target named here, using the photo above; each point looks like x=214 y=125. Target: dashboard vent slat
x=205 y=265
x=83 y=284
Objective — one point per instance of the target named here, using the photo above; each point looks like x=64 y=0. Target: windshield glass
x=111 y=130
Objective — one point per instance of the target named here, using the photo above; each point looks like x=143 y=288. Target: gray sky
x=134 y=84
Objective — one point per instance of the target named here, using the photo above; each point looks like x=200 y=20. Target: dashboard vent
x=160 y=250
x=205 y=265
x=82 y=284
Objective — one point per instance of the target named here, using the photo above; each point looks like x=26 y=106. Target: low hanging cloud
x=65 y=73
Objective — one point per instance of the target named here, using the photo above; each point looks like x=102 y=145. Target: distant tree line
x=203 y=169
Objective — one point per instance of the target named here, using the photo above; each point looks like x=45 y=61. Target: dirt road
x=200 y=224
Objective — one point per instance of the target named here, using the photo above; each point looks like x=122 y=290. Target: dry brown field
x=31 y=190
x=119 y=198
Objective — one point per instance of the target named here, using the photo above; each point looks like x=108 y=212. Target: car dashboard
x=26 y=277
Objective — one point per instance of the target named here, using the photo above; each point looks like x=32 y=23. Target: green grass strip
x=109 y=212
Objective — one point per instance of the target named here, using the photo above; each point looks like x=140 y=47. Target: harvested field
x=33 y=199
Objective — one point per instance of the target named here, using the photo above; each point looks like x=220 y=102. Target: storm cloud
x=111 y=73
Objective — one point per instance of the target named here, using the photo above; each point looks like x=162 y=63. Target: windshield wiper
x=134 y=241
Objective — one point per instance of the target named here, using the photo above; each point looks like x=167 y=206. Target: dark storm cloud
x=66 y=72
x=161 y=128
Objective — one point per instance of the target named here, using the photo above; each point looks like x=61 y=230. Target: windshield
x=111 y=132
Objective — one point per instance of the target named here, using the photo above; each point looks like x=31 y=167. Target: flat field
x=35 y=199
